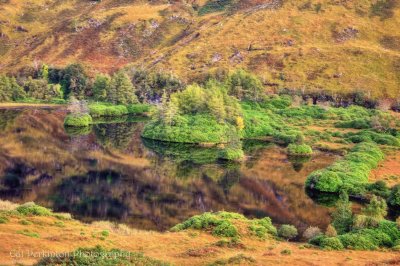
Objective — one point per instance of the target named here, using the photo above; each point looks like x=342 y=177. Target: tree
x=150 y=86
x=44 y=72
x=343 y=216
x=74 y=81
x=5 y=93
x=376 y=208
x=121 y=89
x=244 y=85
x=101 y=87
x=17 y=92
x=37 y=88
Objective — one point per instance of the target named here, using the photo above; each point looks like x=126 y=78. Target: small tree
x=376 y=208
x=101 y=87
x=121 y=89
x=311 y=232
x=74 y=81
x=343 y=216
x=330 y=231
x=244 y=85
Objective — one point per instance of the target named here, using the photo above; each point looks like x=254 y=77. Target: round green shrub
x=31 y=208
x=231 y=154
x=299 y=150
x=324 y=180
x=78 y=120
x=331 y=243
x=394 y=197
x=287 y=231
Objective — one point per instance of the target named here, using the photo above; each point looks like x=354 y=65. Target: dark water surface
x=110 y=173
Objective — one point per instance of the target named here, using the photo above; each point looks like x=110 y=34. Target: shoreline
x=11 y=105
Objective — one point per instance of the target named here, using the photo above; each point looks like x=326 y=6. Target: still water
x=108 y=172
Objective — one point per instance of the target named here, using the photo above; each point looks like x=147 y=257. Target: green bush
x=99 y=110
x=138 y=108
x=287 y=231
x=262 y=228
x=331 y=243
x=359 y=123
x=394 y=197
x=190 y=129
x=3 y=220
x=78 y=120
x=299 y=150
x=232 y=154
x=379 y=188
x=351 y=173
x=84 y=256
x=31 y=208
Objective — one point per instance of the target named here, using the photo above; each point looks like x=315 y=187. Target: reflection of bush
x=115 y=135
x=7 y=118
x=78 y=131
x=298 y=162
x=89 y=195
x=324 y=199
x=183 y=152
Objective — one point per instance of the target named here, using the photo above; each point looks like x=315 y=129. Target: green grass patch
x=77 y=120
x=299 y=150
x=28 y=233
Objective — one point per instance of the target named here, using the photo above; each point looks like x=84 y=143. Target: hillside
x=337 y=46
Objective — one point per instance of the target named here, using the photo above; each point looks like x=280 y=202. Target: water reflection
x=108 y=172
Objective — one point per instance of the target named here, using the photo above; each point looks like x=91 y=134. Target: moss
x=77 y=120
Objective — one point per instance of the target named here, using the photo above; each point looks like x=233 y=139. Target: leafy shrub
x=3 y=220
x=31 y=208
x=394 y=197
x=232 y=154
x=317 y=240
x=138 y=108
x=286 y=252
x=342 y=216
x=287 y=231
x=311 y=232
x=376 y=208
x=330 y=231
x=331 y=243
x=359 y=123
x=99 y=110
x=299 y=149
x=263 y=227
x=225 y=229
x=351 y=173
x=78 y=120
x=84 y=256
x=379 y=188
x=289 y=136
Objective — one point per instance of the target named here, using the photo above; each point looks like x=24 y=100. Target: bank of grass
x=201 y=128
x=77 y=120
x=228 y=224
x=350 y=173
x=109 y=110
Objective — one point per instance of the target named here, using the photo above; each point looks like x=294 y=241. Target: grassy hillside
x=338 y=46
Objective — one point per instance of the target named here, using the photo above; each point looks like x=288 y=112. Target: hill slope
x=338 y=46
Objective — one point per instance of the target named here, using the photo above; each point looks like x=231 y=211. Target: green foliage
x=369 y=135
x=394 y=197
x=121 y=89
x=224 y=224
x=138 y=108
x=214 y=6
x=4 y=220
x=299 y=149
x=84 y=256
x=287 y=231
x=31 y=208
x=29 y=233
x=263 y=228
x=10 y=90
x=231 y=154
x=331 y=243
x=244 y=85
x=105 y=233
x=360 y=123
x=286 y=252
x=77 y=120
x=350 y=173
x=150 y=86
x=74 y=81
x=101 y=87
x=239 y=259
x=376 y=208
x=39 y=89
x=99 y=110
x=379 y=188
x=342 y=216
